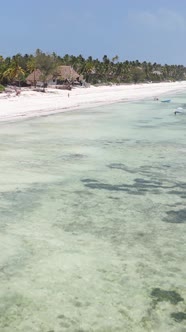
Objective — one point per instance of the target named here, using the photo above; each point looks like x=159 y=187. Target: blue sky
x=151 y=30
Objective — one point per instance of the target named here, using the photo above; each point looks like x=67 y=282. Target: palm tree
x=115 y=58
x=31 y=66
x=1 y=67
x=14 y=71
x=88 y=70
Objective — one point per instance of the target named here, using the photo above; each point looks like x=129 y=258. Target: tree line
x=94 y=71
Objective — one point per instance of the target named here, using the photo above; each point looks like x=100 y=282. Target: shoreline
x=32 y=104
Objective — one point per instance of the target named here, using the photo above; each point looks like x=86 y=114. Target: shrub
x=2 y=88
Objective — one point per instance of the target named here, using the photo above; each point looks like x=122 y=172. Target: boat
x=166 y=101
x=178 y=110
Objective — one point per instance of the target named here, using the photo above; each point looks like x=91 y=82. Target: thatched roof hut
x=157 y=72
x=63 y=73
x=67 y=73
x=34 y=77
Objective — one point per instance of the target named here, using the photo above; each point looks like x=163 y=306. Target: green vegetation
x=160 y=295
x=46 y=63
x=14 y=71
x=106 y=71
x=1 y=88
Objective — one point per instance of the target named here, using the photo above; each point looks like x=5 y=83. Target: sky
x=144 y=30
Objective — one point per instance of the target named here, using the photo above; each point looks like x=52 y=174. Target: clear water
x=93 y=220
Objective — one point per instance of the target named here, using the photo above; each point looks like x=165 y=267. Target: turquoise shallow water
x=93 y=220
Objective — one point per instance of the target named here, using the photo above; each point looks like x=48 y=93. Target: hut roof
x=67 y=73
x=34 y=76
x=157 y=72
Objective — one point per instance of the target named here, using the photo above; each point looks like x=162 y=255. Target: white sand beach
x=31 y=103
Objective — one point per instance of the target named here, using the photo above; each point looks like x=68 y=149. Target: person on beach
x=17 y=92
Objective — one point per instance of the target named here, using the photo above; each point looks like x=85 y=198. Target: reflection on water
x=93 y=221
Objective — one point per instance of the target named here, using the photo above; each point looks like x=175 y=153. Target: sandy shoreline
x=32 y=104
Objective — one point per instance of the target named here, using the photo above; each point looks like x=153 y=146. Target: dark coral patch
x=176 y=217
x=178 y=316
x=160 y=295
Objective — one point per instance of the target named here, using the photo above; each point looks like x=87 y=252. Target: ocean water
x=93 y=220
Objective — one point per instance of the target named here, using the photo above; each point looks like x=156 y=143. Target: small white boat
x=166 y=101
x=178 y=110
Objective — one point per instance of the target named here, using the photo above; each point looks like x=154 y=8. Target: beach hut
x=63 y=75
x=157 y=72
x=34 y=77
